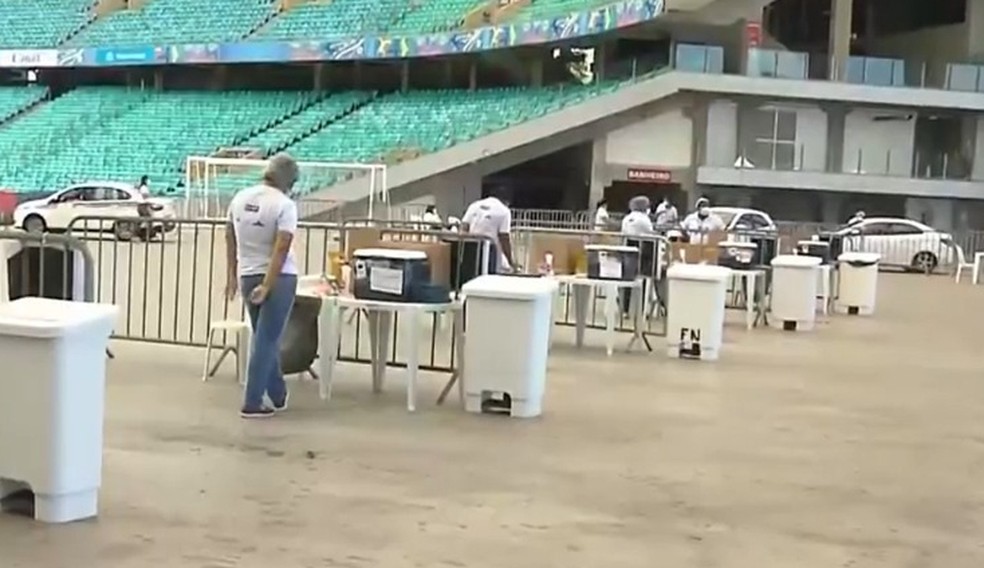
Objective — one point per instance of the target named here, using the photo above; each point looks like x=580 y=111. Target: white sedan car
x=901 y=242
x=102 y=201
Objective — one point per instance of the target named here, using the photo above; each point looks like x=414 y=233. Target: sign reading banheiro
x=649 y=175
x=28 y=58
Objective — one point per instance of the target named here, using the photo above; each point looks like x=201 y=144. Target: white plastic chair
x=240 y=349
x=962 y=265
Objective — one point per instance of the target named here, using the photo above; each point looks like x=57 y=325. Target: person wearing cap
x=638 y=224
x=261 y=226
x=702 y=222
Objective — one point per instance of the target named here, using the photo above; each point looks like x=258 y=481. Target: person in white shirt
x=702 y=222
x=856 y=218
x=491 y=217
x=431 y=217
x=637 y=221
x=666 y=213
x=601 y=217
x=261 y=226
x=144 y=187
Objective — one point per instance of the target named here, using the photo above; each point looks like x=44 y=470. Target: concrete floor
x=860 y=445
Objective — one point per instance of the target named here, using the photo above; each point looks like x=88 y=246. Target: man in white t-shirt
x=262 y=224
x=491 y=217
x=637 y=221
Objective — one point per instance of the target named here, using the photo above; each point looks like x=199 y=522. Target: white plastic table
x=754 y=301
x=380 y=316
x=584 y=289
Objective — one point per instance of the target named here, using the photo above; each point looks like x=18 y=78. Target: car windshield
x=726 y=216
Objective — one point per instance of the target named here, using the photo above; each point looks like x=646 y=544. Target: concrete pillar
x=938 y=213
x=975 y=29
x=832 y=209
x=836 y=116
x=599 y=170
x=405 y=75
x=839 y=40
x=536 y=73
x=472 y=76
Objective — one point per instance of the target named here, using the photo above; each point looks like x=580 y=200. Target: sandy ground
x=859 y=445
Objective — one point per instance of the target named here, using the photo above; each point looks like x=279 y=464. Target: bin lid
x=737 y=244
x=509 y=287
x=814 y=242
x=796 y=261
x=705 y=272
x=46 y=318
x=859 y=258
x=392 y=254
x=611 y=248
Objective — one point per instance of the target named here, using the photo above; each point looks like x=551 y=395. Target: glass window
x=903 y=229
x=785 y=126
x=785 y=156
x=875 y=229
x=76 y=194
x=752 y=221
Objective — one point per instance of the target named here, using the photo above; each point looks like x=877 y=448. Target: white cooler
x=794 y=291
x=51 y=403
x=695 y=312
x=507 y=331
x=857 y=282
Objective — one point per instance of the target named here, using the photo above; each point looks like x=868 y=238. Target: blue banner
x=579 y=24
x=128 y=55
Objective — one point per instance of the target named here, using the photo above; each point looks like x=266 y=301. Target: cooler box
x=391 y=275
x=768 y=248
x=819 y=249
x=737 y=255
x=857 y=282
x=794 y=292
x=695 y=310
x=612 y=262
x=508 y=319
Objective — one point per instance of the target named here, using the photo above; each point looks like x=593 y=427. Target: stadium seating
x=14 y=100
x=335 y=19
x=542 y=9
x=178 y=21
x=42 y=23
x=435 y=16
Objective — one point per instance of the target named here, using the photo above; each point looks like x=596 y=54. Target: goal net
x=323 y=187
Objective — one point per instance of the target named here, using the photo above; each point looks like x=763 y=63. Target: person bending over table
x=491 y=217
x=261 y=227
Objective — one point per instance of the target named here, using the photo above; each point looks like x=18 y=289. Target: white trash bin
x=51 y=404
x=507 y=340
x=794 y=292
x=695 y=310
x=857 y=282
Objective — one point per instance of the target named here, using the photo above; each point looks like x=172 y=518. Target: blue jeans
x=268 y=319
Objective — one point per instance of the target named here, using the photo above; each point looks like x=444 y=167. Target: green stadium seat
x=42 y=23
x=545 y=9
x=178 y=21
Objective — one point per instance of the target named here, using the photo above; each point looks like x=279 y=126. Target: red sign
x=649 y=176
x=753 y=34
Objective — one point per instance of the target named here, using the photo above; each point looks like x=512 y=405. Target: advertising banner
x=578 y=24
x=28 y=58
x=128 y=55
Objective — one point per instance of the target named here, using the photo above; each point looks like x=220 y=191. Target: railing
x=698 y=58
x=777 y=64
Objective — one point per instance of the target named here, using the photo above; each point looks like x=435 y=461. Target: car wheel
x=124 y=230
x=35 y=224
x=924 y=262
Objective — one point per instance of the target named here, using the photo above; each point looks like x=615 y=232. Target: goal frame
x=197 y=196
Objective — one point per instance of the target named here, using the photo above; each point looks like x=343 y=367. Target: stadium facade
x=806 y=108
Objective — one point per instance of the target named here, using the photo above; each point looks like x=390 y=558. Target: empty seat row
x=42 y=23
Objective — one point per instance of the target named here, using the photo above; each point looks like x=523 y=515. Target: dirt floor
x=859 y=445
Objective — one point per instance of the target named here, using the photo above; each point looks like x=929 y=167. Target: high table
x=584 y=289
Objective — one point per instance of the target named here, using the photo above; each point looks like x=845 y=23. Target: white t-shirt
x=257 y=214
x=601 y=218
x=492 y=218
x=144 y=190
x=637 y=224
x=666 y=214
x=699 y=228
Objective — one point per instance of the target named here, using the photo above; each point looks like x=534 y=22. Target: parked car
x=742 y=219
x=98 y=199
x=902 y=243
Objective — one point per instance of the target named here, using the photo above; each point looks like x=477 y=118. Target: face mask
x=703 y=213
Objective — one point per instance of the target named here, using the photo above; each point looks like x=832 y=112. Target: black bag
x=299 y=344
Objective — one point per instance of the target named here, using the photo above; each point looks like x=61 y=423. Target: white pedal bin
x=507 y=331
x=51 y=406
x=857 y=282
x=695 y=310
x=794 y=291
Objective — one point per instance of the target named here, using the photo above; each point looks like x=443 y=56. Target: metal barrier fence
x=49 y=266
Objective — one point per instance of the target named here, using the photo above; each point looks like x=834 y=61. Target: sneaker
x=257 y=413
x=283 y=406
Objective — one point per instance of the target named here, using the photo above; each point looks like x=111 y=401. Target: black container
x=299 y=343
x=471 y=259
x=391 y=275
x=611 y=262
x=737 y=255
x=768 y=248
x=819 y=249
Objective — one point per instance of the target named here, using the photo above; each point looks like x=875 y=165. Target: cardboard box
x=359 y=238
x=567 y=251
x=706 y=252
